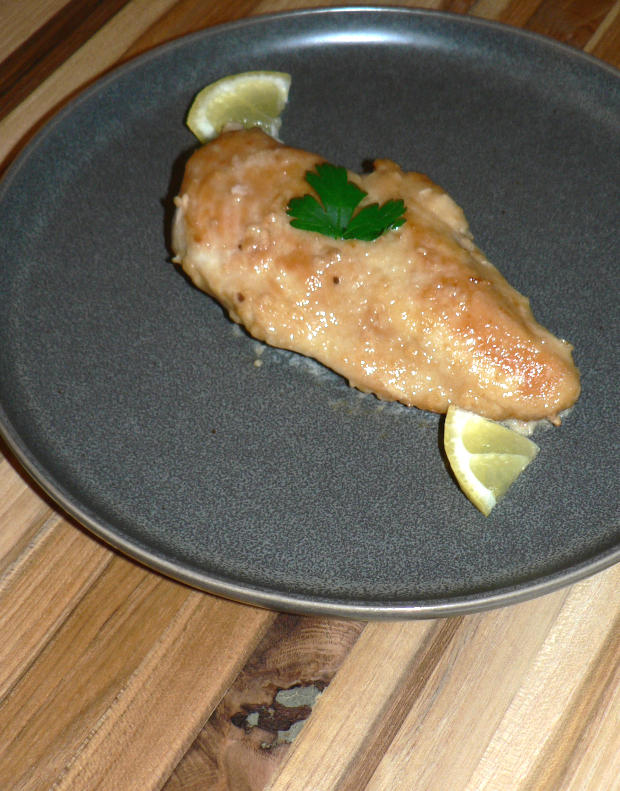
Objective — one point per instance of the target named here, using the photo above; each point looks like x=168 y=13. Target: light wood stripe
x=491 y=709
x=378 y=666
x=103 y=50
x=21 y=514
x=605 y=43
x=50 y=46
x=19 y=20
x=180 y=681
x=518 y=12
x=546 y=694
x=134 y=642
x=592 y=706
x=489 y=9
x=558 y=20
x=421 y=668
x=38 y=582
x=187 y=16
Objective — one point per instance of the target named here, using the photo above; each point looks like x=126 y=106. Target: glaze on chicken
x=418 y=315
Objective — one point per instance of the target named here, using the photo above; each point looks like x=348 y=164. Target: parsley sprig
x=334 y=215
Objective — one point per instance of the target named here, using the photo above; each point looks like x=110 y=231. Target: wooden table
x=113 y=677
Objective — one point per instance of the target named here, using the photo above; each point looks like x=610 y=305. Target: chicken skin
x=418 y=315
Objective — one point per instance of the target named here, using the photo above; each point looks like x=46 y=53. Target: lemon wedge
x=485 y=457
x=251 y=98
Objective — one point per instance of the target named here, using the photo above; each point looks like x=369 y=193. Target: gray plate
x=127 y=394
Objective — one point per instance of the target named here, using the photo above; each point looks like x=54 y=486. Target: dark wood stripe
x=54 y=42
x=457 y=6
x=608 y=47
x=250 y=730
x=578 y=726
x=570 y=21
x=188 y=16
x=421 y=667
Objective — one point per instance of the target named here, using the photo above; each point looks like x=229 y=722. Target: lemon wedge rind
x=486 y=457
x=244 y=100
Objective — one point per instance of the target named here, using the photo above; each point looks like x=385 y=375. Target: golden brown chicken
x=418 y=315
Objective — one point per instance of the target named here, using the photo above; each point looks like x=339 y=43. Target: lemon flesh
x=486 y=457
x=252 y=98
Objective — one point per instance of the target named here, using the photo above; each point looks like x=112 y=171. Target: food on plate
x=486 y=457
x=248 y=99
x=416 y=314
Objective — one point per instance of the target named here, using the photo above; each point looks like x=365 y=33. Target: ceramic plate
x=132 y=399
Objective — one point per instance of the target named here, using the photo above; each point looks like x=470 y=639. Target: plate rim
x=319 y=606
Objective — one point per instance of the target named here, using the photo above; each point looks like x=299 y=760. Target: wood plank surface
x=248 y=735
x=115 y=643
x=19 y=23
x=50 y=46
x=472 y=703
x=114 y=677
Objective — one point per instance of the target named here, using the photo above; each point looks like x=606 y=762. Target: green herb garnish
x=334 y=215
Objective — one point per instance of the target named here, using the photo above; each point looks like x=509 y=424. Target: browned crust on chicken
x=418 y=316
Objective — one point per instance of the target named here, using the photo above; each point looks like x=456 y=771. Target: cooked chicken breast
x=417 y=316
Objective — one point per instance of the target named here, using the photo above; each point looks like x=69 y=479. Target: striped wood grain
x=496 y=702
x=106 y=48
x=50 y=46
x=115 y=641
x=247 y=737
